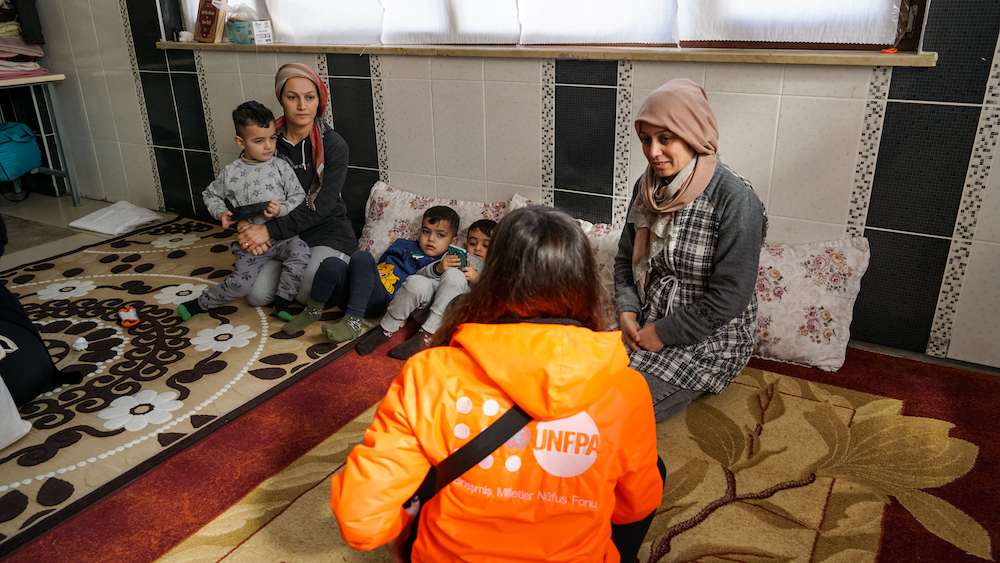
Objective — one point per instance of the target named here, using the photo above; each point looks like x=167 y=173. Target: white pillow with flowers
x=392 y=213
x=805 y=298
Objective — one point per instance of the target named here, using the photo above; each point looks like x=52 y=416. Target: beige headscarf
x=681 y=107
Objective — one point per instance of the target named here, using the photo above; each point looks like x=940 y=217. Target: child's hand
x=273 y=209
x=471 y=274
x=448 y=262
x=227 y=219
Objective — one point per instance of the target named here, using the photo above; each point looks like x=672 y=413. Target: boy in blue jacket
x=368 y=287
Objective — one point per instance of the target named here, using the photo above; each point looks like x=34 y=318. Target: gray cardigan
x=742 y=226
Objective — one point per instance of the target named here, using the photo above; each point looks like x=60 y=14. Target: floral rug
x=151 y=389
x=774 y=469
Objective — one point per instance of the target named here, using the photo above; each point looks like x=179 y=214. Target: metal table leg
x=74 y=186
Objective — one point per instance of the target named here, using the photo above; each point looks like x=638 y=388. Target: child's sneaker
x=347 y=328
x=416 y=343
x=373 y=340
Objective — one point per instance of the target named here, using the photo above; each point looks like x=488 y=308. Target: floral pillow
x=805 y=298
x=392 y=213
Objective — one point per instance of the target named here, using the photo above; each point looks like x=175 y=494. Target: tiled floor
x=56 y=211
x=60 y=212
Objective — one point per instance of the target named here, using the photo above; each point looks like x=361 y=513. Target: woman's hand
x=395 y=546
x=253 y=238
x=645 y=338
x=630 y=330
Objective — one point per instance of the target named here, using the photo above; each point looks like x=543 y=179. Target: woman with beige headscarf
x=319 y=157
x=687 y=260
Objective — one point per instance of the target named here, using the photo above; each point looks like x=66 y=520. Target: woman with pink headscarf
x=319 y=157
x=687 y=260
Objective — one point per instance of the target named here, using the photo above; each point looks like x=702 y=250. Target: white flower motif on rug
x=66 y=290
x=176 y=241
x=222 y=338
x=135 y=412
x=179 y=293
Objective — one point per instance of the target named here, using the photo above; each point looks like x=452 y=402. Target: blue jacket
x=401 y=259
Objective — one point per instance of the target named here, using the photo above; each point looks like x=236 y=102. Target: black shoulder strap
x=481 y=446
x=472 y=453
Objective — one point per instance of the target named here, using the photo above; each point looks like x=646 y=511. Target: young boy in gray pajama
x=428 y=294
x=256 y=177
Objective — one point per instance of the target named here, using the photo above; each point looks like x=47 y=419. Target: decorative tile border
x=548 y=131
x=979 y=172
x=199 y=67
x=871 y=136
x=143 y=112
x=951 y=290
x=322 y=65
x=378 y=103
x=976 y=178
x=323 y=70
x=623 y=131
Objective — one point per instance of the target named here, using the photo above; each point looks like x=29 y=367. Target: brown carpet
x=151 y=390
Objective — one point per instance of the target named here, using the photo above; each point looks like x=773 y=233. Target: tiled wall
x=832 y=151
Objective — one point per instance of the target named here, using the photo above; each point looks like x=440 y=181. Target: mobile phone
x=461 y=253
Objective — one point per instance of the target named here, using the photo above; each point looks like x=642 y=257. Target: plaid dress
x=683 y=270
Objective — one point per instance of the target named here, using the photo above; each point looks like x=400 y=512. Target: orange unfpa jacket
x=552 y=491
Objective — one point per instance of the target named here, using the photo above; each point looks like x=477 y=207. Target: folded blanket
x=116 y=219
x=17 y=46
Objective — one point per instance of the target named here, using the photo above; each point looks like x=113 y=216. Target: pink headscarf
x=293 y=70
x=681 y=107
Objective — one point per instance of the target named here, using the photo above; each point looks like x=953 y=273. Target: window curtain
x=422 y=22
x=799 y=21
x=534 y=22
x=597 y=21
x=336 y=22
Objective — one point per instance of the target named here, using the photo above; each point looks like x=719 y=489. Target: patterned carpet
x=150 y=390
x=775 y=468
x=887 y=460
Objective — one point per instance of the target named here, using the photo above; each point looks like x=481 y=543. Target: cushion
x=392 y=213
x=805 y=297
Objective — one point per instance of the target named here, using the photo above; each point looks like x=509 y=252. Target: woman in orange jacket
x=528 y=334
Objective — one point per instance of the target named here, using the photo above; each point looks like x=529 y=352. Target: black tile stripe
x=964 y=34
x=190 y=111
x=159 y=98
x=145 y=25
x=357 y=187
x=174 y=181
x=591 y=73
x=343 y=64
x=354 y=118
x=181 y=61
x=922 y=162
x=585 y=139
x=593 y=208
x=899 y=292
x=200 y=175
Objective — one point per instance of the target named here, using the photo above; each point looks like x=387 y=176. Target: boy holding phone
x=431 y=290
